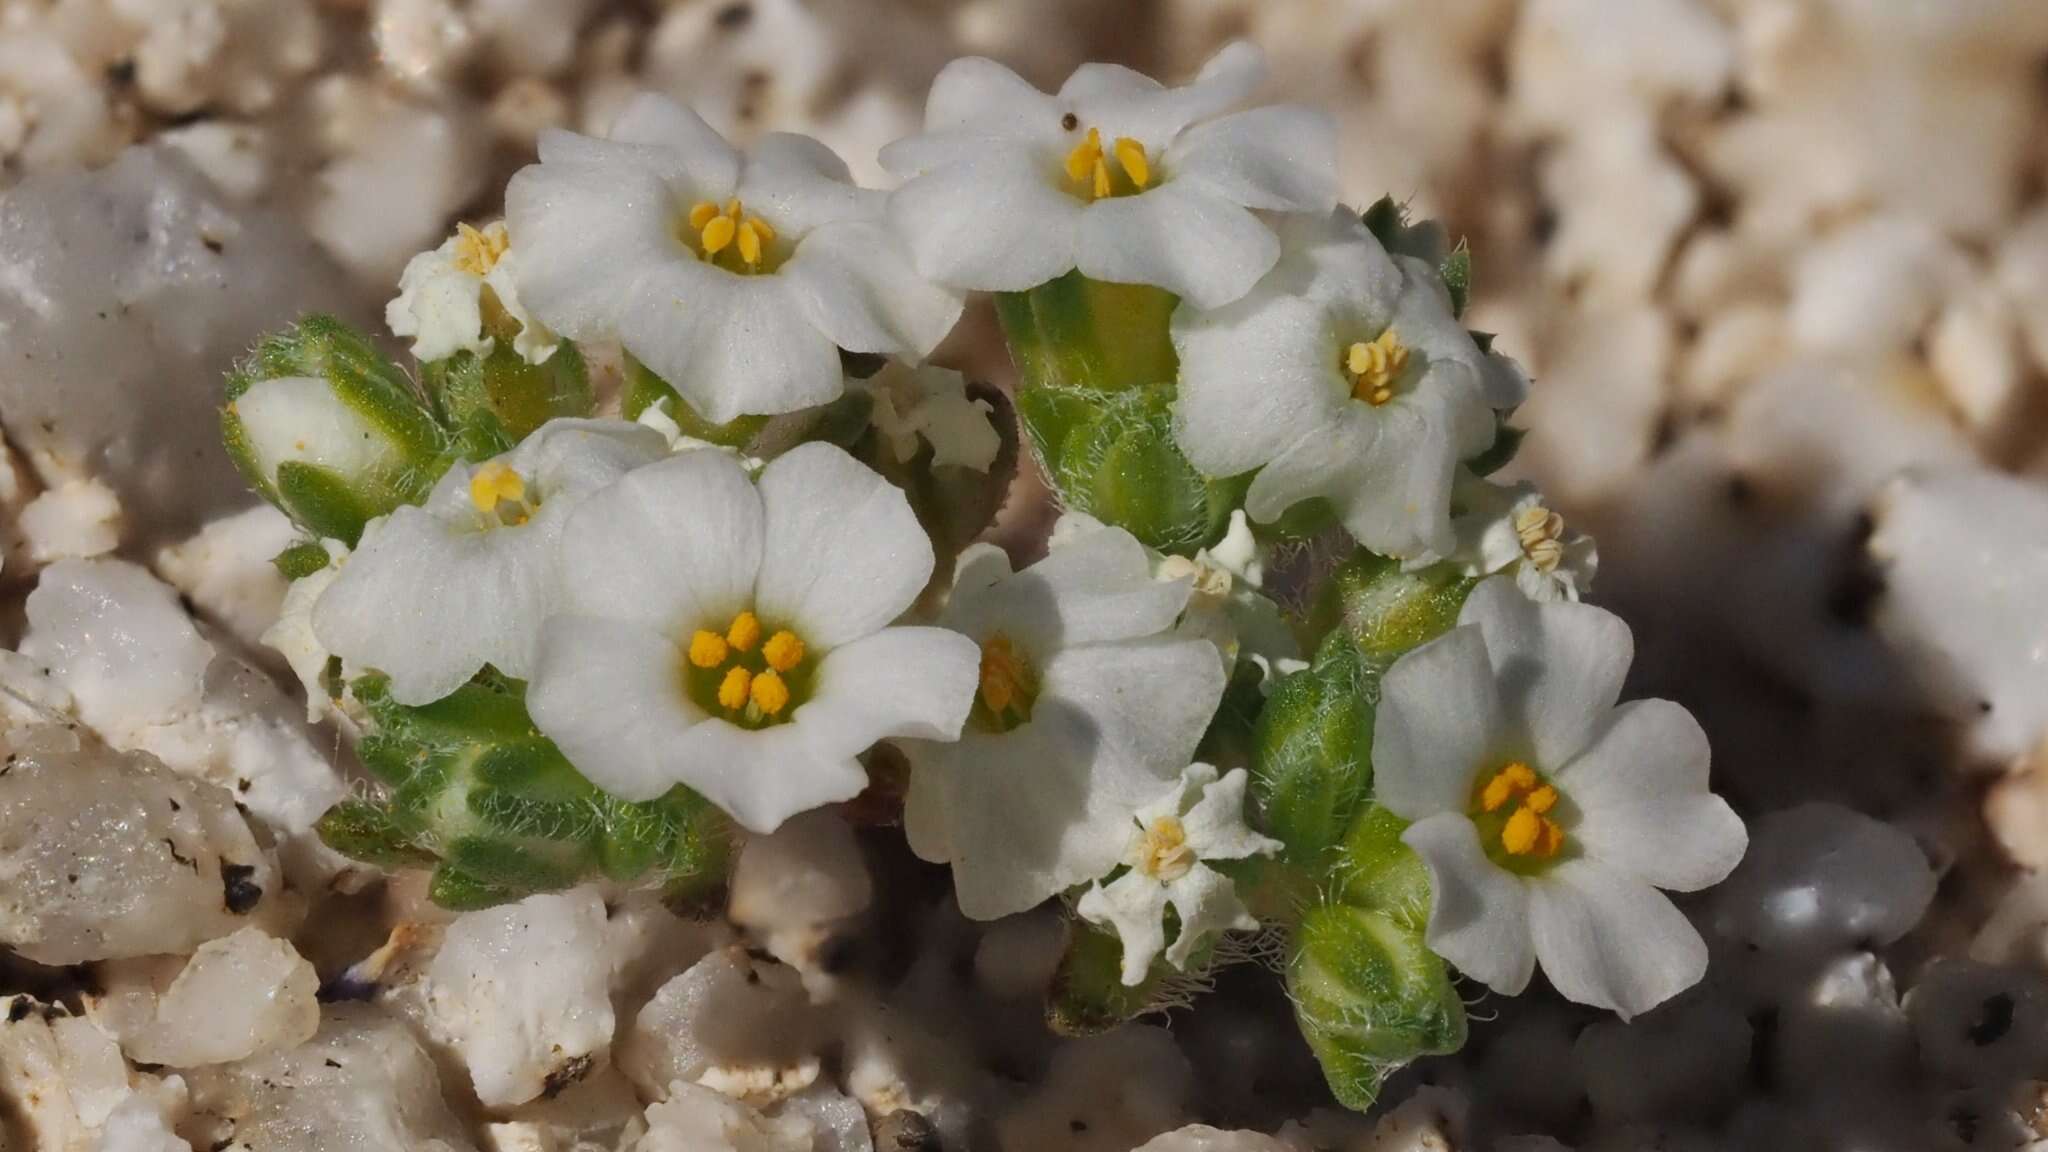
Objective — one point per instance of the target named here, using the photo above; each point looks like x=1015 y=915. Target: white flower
x=1548 y=817
x=435 y=592
x=1342 y=375
x=1225 y=605
x=736 y=278
x=1117 y=176
x=732 y=636
x=1507 y=528
x=1088 y=708
x=932 y=404
x=1170 y=842
x=444 y=296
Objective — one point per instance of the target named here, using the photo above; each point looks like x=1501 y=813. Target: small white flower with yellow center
x=1116 y=175
x=1547 y=815
x=1170 y=844
x=734 y=636
x=434 y=592
x=1088 y=707
x=1343 y=375
x=734 y=277
x=1509 y=529
x=932 y=405
x=456 y=297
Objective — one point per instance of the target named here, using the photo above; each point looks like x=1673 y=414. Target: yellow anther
x=745 y=632
x=1101 y=186
x=769 y=693
x=1521 y=833
x=717 y=234
x=783 y=651
x=761 y=226
x=733 y=690
x=1374 y=365
x=707 y=648
x=1008 y=686
x=701 y=213
x=1541 y=532
x=733 y=208
x=498 y=491
x=1161 y=850
x=750 y=243
x=1497 y=793
x=1541 y=800
x=1082 y=161
x=478 y=251
x=1131 y=155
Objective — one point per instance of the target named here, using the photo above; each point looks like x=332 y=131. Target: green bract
x=503 y=389
x=472 y=785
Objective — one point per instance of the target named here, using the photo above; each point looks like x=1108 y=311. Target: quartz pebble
x=1089 y=1100
x=242 y=995
x=798 y=889
x=1820 y=877
x=730 y=1020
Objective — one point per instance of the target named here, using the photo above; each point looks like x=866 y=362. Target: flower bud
x=1088 y=994
x=1312 y=753
x=1370 y=997
x=504 y=388
x=1387 y=610
x=328 y=429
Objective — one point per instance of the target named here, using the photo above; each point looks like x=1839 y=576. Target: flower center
x=1512 y=809
x=730 y=238
x=478 y=251
x=749 y=679
x=1541 y=532
x=500 y=494
x=1089 y=167
x=1160 y=850
x=1373 y=367
x=1009 y=686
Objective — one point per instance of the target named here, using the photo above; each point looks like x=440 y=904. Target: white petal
x=1610 y=940
x=903 y=682
x=585 y=234
x=1559 y=666
x=732 y=345
x=1142 y=707
x=1333 y=259
x=429 y=603
x=1215 y=826
x=1208 y=905
x=711 y=166
x=675 y=544
x=1190 y=242
x=609 y=694
x=440 y=306
x=1435 y=727
x=1136 y=905
x=1641 y=790
x=798 y=185
x=764 y=777
x=979 y=92
x=1018 y=817
x=1323 y=463
x=1098 y=588
x=1397 y=501
x=1282 y=157
x=1125 y=103
x=572 y=458
x=856 y=284
x=844 y=554
x=1255 y=377
x=991 y=222
x=1478 y=914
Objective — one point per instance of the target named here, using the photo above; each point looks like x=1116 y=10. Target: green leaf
x=301 y=559
x=1312 y=764
x=361 y=830
x=1370 y=997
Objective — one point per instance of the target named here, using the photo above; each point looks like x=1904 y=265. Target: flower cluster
x=571 y=637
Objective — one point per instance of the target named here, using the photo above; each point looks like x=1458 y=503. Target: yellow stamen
x=478 y=251
x=1373 y=366
x=496 y=484
x=701 y=213
x=717 y=234
x=1101 y=186
x=707 y=648
x=1161 y=850
x=1522 y=832
x=733 y=690
x=1008 y=687
x=745 y=632
x=1081 y=162
x=750 y=243
x=769 y=693
x=1131 y=155
x=1541 y=532
x=783 y=651
x=1528 y=829
x=1541 y=800
x=761 y=226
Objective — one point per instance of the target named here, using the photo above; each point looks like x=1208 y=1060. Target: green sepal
x=1369 y=997
x=1457 y=273
x=1385 y=610
x=1088 y=994
x=1312 y=762
x=520 y=396
x=301 y=559
x=472 y=783
x=325 y=503
x=1112 y=456
x=644 y=390
x=1091 y=335
x=1377 y=872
